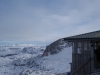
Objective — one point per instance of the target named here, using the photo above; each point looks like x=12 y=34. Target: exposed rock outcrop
x=56 y=47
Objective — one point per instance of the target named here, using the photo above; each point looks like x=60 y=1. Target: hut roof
x=87 y=36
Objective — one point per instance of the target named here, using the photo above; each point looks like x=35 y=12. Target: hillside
x=56 y=47
x=29 y=60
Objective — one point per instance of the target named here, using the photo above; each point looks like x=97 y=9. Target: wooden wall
x=81 y=52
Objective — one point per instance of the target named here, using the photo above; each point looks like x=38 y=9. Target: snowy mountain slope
x=33 y=72
x=58 y=63
x=30 y=62
x=56 y=47
x=9 y=51
x=34 y=50
x=7 y=63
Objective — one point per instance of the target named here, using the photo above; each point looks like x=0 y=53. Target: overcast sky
x=38 y=20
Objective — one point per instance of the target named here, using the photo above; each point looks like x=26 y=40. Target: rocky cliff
x=56 y=47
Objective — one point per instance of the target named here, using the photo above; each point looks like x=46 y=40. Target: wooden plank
x=92 y=56
x=81 y=66
x=73 y=62
x=77 y=60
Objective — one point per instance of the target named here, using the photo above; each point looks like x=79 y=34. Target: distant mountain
x=5 y=42
x=34 y=49
x=56 y=47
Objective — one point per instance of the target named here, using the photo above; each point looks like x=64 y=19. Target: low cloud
x=41 y=21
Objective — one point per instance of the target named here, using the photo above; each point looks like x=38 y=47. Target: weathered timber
x=81 y=66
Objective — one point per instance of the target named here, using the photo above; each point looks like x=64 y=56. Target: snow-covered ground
x=58 y=63
x=28 y=61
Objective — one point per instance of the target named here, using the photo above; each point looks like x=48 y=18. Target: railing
x=81 y=66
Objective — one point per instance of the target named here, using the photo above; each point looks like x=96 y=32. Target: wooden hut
x=85 y=53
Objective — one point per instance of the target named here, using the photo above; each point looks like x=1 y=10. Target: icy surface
x=28 y=61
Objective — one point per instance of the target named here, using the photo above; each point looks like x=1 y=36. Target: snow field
x=27 y=63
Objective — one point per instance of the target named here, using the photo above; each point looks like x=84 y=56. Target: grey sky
x=30 y=20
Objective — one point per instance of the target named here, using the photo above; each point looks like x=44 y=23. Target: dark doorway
x=97 y=57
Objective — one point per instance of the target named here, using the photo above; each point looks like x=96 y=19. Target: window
x=79 y=44
x=79 y=48
x=95 y=46
x=91 y=46
x=85 y=46
x=73 y=44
